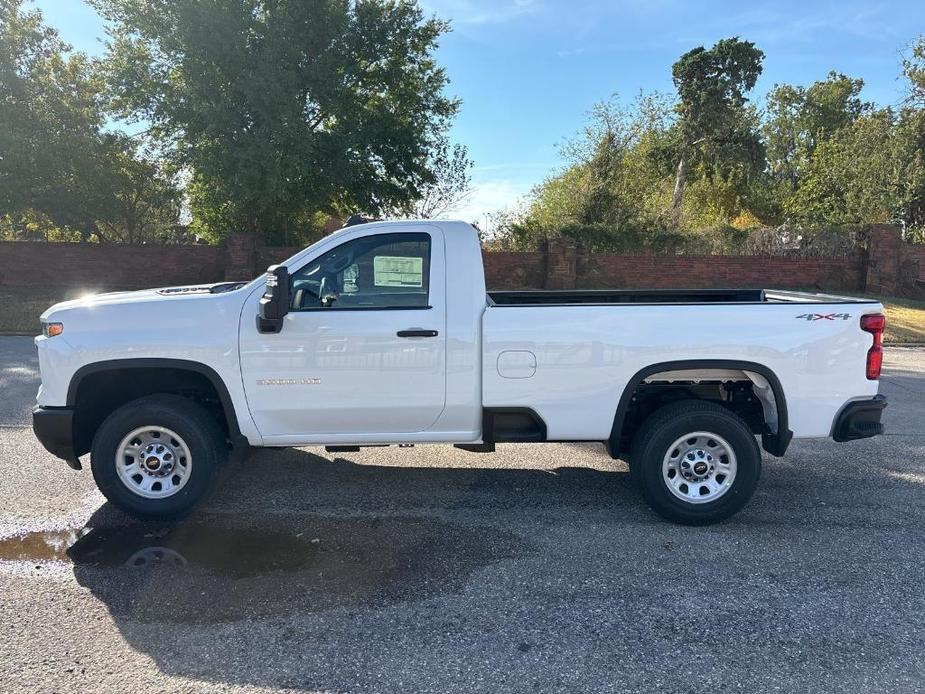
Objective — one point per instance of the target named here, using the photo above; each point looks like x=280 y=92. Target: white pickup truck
x=383 y=334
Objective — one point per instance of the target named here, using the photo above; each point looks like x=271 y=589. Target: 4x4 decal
x=824 y=316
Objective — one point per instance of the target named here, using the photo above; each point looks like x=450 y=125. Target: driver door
x=362 y=352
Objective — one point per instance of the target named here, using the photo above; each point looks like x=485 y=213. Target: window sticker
x=396 y=271
x=351 y=276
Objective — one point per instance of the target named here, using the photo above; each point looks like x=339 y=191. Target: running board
x=353 y=449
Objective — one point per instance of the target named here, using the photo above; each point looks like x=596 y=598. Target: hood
x=204 y=291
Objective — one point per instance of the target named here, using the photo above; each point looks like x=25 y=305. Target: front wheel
x=154 y=457
x=695 y=462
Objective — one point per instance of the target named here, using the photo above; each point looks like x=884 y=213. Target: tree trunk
x=677 y=198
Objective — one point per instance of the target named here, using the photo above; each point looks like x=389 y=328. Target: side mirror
x=274 y=304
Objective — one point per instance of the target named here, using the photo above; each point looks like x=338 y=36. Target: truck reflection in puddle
x=228 y=551
x=213 y=570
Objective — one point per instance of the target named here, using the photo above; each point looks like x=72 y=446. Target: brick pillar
x=884 y=260
x=560 y=264
x=241 y=257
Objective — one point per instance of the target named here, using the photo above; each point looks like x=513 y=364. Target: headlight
x=52 y=329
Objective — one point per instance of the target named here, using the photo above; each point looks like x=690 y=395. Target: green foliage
x=63 y=176
x=451 y=171
x=271 y=115
x=708 y=172
x=914 y=72
x=612 y=187
x=712 y=85
x=912 y=120
x=146 y=201
x=283 y=108
x=30 y=225
x=616 y=192
x=799 y=118
x=716 y=132
x=868 y=171
x=50 y=143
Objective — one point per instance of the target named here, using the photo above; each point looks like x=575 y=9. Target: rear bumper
x=54 y=428
x=860 y=419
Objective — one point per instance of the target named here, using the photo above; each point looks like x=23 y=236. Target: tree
x=820 y=156
x=611 y=189
x=146 y=201
x=863 y=164
x=282 y=108
x=799 y=118
x=63 y=174
x=451 y=169
x=51 y=142
x=912 y=120
x=713 y=130
x=613 y=183
x=914 y=72
x=866 y=172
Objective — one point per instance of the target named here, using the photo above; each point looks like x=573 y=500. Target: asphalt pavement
x=534 y=569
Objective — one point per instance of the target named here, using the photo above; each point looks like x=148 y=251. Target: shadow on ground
x=330 y=575
x=225 y=570
x=290 y=531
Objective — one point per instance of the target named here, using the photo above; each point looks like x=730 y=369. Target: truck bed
x=605 y=297
x=562 y=353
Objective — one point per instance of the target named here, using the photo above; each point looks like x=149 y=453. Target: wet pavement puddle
x=222 y=570
x=236 y=552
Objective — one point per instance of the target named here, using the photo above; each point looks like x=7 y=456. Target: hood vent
x=200 y=289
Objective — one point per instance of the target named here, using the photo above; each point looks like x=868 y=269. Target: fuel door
x=516 y=364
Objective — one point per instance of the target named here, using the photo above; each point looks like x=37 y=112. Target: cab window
x=384 y=271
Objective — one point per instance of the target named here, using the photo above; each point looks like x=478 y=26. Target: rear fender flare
x=776 y=443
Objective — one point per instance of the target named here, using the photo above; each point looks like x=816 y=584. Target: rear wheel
x=155 y=456
x=695 y=462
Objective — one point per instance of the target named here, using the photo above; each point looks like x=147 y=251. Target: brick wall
x=886 y=265
x=505 y=270
x=917 y=255
x=892 y=266
x=75 y=266
x=273 y=255
x=703 y=272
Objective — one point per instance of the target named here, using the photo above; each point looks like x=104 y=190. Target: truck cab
x=380 y=340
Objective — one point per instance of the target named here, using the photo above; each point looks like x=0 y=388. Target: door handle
x=417 y=332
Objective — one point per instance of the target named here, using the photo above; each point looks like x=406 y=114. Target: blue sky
x=527 y=71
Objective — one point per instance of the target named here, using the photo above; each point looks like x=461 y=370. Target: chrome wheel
x=699 y=467
x=153 y=462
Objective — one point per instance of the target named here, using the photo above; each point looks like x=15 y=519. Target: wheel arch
x=166 y=365
x=774 y=443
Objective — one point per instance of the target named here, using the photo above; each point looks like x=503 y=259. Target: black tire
x=198 y=429
x=665 y=426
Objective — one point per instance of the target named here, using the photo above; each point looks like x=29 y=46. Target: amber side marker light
x=874 y=324
x=52 y=329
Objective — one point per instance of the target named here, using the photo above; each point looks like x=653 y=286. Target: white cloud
x=766 y=26
x=481 y=11
x=489 y=196
x=525 y=167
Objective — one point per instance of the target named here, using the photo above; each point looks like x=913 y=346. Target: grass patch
x=20 y=313
x=905 y=320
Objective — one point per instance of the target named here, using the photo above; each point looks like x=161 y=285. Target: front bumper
x=54 y=428
x=860 y=419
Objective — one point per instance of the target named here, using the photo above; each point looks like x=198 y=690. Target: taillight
x=874 y=324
